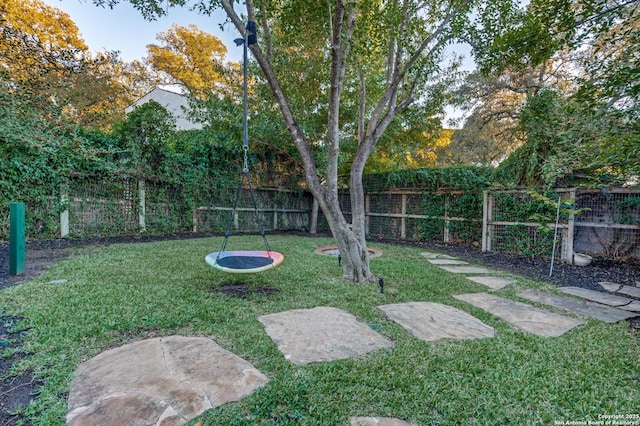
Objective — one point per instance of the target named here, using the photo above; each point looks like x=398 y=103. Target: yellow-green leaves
x=192 y=58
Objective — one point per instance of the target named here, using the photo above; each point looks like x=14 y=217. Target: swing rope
x=249 y=38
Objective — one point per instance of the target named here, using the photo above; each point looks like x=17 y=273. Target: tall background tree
x=194 y=60
x=588 y=50
x=43 y=55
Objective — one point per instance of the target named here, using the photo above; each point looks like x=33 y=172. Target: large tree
x=44 y=55
x=39 y=43
x=398 y=45
x=599 y=112
x=193 y=59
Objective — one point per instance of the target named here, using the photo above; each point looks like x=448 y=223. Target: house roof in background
x=177 y=104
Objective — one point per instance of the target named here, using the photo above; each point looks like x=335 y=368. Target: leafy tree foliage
x=412 y=149
x=546 y=153
x=44 y=55
x=599 y=112
x=39 y=149
x=491 y=131
x=609 y=94
x=38 y=42
x=144 y=137
x=193 y=59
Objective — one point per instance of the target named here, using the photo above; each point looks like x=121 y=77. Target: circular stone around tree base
x=333 y=251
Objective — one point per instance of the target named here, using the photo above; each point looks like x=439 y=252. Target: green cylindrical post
x=16 y=238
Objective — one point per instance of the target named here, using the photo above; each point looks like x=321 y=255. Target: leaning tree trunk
x=351 y=242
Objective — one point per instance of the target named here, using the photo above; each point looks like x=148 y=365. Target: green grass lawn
x=124 y=293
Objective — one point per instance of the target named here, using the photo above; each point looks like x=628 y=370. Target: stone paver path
x=162 y=381
x=466 y=269
x=431 y=255
x=622 y=289
x=447 y=262
x=581 y=307
x=495 y=283
x=604 y=298
x=432 y=321
x=522 y=316
x=321 y=334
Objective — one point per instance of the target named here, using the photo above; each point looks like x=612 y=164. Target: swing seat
x=244 y=262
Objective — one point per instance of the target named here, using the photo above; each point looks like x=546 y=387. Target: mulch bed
x=18 y=390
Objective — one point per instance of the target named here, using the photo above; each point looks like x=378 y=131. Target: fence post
x=487 y=201
x=194 y=217
x=367 y=205
x=570 y=228
x=16 y=238
x=446 y=219
x=64 y=215
x=142 y=205
x=275 y=216
x=403 y=219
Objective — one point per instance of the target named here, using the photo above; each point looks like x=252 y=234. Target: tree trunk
x=355 y=256
x=351 y=242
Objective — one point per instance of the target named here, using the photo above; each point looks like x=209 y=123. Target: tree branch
x=296 y=133
x=343 y=27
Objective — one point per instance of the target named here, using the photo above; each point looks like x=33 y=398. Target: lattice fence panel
x=383 y=219
x=277 y=210
x=609 y=223
x=523 y=222
x=525 y=240
x=166 y=211
x=103 y=207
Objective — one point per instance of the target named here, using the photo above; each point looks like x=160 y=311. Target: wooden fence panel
x=603 y=222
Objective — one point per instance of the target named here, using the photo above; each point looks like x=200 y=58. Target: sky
x=123 y=28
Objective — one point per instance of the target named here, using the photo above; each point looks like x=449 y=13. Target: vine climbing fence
x=602 y=222
x=87 y=207
x=449 y=216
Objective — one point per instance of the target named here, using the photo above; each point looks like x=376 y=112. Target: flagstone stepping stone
x=630 y=291
x=432 y=321
x=377 y=421
x=581 y=307
x=609 y=286
x=623 y=289
x=597 y=296
x=429 y=255
x=447 y=262
x=466 y=269
x=633 y=307
x=321 y=334
x=432 y=255
x=495 y=283
x=161 y=381
x=522 y=316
